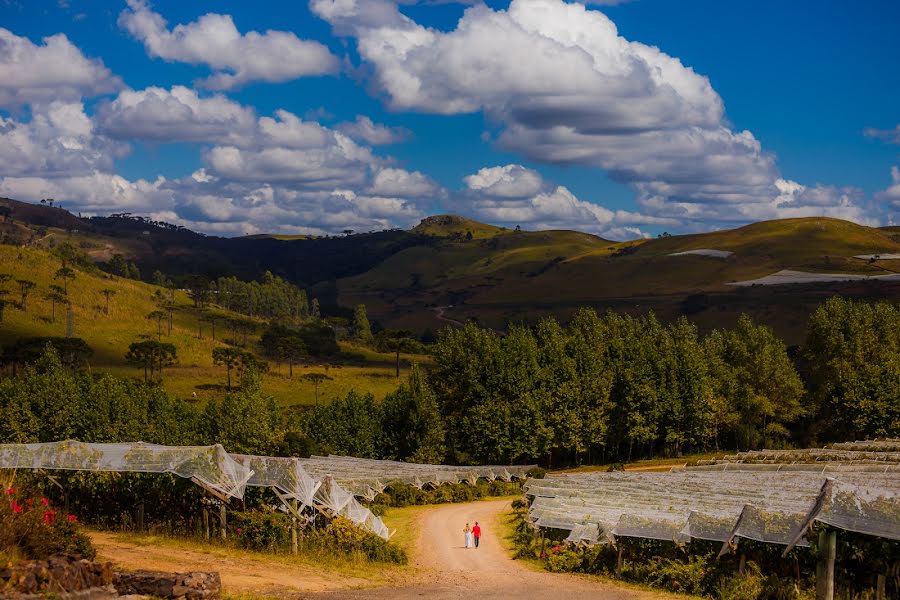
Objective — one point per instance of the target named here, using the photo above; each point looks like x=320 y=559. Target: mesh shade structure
x=330 y=484
x=208 y=466
x=286 y=475
x=887 y=452
x=768 y=505
x=366 y=478
x=885 y=445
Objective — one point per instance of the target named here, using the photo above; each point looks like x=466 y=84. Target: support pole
x=294 y=529
x=222 y=520
x=743 y=564
x=825 y=565
x=880 y=585
x=205 y=522
x=620 y=560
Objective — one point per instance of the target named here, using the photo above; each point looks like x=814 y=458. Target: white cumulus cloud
x=891 y=195
x=59 y=140
x=511 y=195
x=53 y=71
x=92 y=193
x=365 y=130
x=563 y=87
x=235 y=58
x=176 y=115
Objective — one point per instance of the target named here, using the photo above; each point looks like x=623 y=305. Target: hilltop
x=453 y=226
x=450 y=268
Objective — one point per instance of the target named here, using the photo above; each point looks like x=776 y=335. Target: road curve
x=449 y=571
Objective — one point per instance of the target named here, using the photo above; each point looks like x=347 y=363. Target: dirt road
x=449 y=571
x=442 y=568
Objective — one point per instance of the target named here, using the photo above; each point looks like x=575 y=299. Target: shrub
x=260 y=530
x=31 y=528
x=748 y=586
x=563 y=560
x=536 y=473
x=342 y=535
x=685 y=576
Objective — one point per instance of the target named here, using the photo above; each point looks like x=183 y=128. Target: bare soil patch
x=241 y=572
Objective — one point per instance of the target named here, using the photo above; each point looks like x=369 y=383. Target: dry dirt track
x=448 y=571
x=240 y=574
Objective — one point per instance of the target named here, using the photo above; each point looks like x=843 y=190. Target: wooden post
x=205 y=522
x=222 y=519
x=543 y=543
x=880 y=584
x=139 y=516
x=620 y=559
x=743 y=564
x=294 y=529
x=825 y=565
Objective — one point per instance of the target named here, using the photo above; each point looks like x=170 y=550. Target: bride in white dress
x=468 y=533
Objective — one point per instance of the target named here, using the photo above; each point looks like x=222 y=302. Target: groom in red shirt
x=476 y=533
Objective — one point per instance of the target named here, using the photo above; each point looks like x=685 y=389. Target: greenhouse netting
x=768 y=505
x=855 y=453
x=367 y=478
x=210 y=467
x=327 y=483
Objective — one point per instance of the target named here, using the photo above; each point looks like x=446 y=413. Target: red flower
x=239 y=531
x=72 y=517
x=16 y=508
x=29 y=502
x=49 y=516
x=45 y=502
x=9 y=491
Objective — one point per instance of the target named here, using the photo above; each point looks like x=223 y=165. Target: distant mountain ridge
x=450 y=268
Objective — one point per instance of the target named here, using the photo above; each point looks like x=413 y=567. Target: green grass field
x=110 y=335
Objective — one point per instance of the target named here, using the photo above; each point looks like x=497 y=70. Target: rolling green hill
x=110 y=333
x=437 y=273
x=521 y=276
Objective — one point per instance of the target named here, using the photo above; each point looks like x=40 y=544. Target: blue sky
x=622 y=120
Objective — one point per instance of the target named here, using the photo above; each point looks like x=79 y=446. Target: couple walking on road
x=473 y=533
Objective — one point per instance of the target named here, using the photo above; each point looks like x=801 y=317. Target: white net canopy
x=326 y=483
x=208 y=466
x=882 y=445
x=284 y=474
x=875 y=452
x=367 y=478
x=767 y=505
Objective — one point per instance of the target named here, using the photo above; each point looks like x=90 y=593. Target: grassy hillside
x=436 y=273
x=110 y=334
x=521 y=276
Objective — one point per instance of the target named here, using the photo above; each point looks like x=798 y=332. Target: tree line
x=597 y=389
x=616 y=388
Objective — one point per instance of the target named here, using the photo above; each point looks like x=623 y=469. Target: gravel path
x=446 y=570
